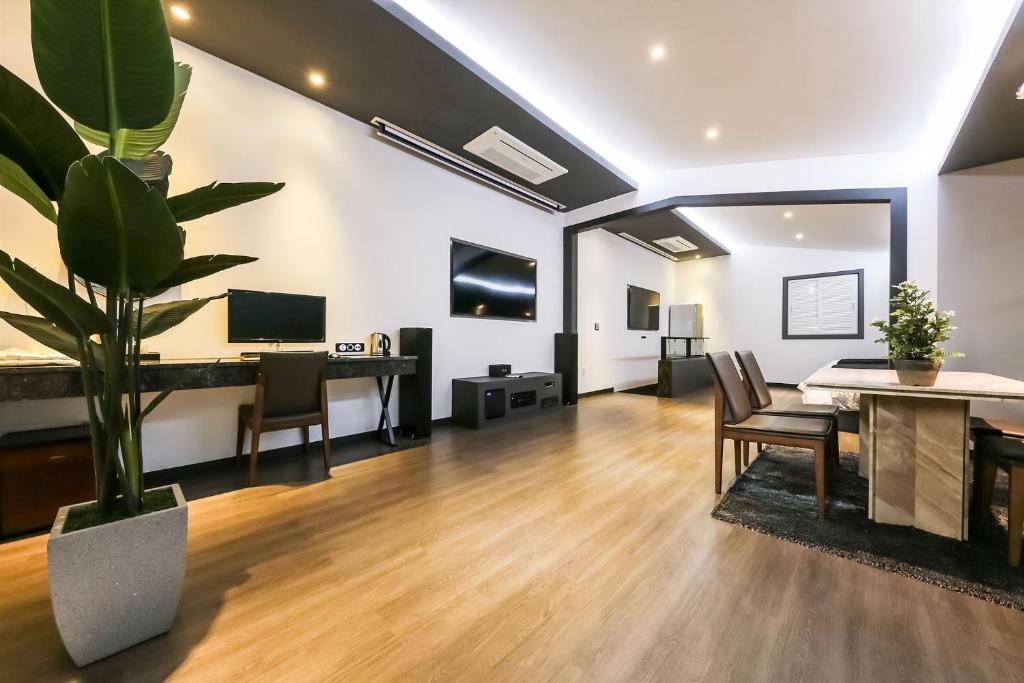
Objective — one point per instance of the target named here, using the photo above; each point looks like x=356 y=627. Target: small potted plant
x=913 y=333
x=117 y=564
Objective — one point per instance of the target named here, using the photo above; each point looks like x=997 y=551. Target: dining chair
x=994 y=451
x=291 y=392
x=735 y=419
x=763 y=402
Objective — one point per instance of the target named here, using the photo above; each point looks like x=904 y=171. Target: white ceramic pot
x=115 y=585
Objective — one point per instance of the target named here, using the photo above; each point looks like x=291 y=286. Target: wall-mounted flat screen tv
x=272 y=317
x=487 y=283
x=643 y=308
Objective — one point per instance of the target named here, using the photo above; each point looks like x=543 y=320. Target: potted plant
x=116 y=564
x=914 y=332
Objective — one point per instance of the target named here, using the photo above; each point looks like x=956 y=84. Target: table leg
x=385 y=415
x=919 y=464
x=865 y=432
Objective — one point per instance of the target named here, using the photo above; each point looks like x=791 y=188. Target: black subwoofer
x=567 y=364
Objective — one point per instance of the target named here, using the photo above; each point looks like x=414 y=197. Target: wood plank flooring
x=574 y=547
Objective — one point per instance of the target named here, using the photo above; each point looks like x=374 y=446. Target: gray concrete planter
x=116 y=585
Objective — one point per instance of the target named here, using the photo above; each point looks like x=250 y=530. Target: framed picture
x=823 y=305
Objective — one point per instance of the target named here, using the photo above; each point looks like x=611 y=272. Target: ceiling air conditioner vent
x=514 y=156
x=675 y=244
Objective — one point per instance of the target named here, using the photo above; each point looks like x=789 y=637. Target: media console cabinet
x=482 y=401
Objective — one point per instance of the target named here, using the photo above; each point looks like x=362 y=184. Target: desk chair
x=995 y=449
x=291 y=392
x=735 y=419
x=764 y=404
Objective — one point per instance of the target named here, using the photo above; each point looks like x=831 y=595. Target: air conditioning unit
x=640 y=243
x=411 y=141
x=675 y=244
x=514 y=156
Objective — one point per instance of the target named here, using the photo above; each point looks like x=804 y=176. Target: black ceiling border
x=462 y=58
x=895 y=197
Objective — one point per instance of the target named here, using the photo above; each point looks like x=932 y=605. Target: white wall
x=614 y=356
x=363 y=223
x=742 y=298
x=981 y=243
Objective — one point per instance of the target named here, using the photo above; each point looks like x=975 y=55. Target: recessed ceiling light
x=1020 y=92
x=711 y=133
x=697 y=256
x=180 y=12
x=657 y=53
x=787 y=215
x=799 y=235
x=317 y=79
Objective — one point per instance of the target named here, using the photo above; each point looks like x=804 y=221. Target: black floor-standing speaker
x=414 y=391
x=567 y=364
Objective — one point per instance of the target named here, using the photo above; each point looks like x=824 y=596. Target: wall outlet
x=583 y=372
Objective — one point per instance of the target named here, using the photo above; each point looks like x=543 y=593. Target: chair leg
x=253 y=455
x=1016 y=527
x=746 y=453
x=820 y=464
x=241 y=441
x=719 y=445
x=326 y=433
x=305 y=439
x=985 y=470
x=737 y=452
x=760 y=448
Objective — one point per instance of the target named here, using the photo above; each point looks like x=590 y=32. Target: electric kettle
x=380 y=344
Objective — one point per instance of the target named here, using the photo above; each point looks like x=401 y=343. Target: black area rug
x=775 y=496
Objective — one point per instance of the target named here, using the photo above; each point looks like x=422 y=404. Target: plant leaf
x=114 y=230
x=217 y=197
x=14 y=178
x=201 y=266
x=58 y=304
x=139 y=143
x=35 y=136
x=107 y=64
x=159 y=318
x=44 y=332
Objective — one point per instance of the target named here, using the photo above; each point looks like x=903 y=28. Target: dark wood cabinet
x=39 y=472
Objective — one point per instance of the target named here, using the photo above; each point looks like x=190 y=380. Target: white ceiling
x=847 y=227
x=779 y=79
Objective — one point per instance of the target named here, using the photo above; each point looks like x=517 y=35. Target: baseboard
x=337 y=442
x=586 y=394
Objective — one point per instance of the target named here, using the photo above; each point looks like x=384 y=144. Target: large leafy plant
x=108 y=65
x=915 y=328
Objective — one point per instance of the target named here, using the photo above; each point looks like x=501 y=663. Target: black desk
x=24 y=383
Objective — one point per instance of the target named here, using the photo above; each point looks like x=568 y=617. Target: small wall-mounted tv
x=273 y=317
x=643 y=308
x=487 y=283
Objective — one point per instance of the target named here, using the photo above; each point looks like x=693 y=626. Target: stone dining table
x=914 y=441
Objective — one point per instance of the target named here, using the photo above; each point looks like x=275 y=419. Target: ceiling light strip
x=428 y=149
x=648 y=247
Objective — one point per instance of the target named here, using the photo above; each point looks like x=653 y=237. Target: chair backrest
x=729 y=383
x=760 y=395
x=292 y=382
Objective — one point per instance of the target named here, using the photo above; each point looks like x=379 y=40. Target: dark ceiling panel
x=379 y=61
x=667 y=223
x=993 y=130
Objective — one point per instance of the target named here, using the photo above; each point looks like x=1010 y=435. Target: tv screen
x=270 y=317
x=492 y=284
x=643 y=308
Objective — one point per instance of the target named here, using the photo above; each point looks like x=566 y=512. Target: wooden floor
x=571 y=547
